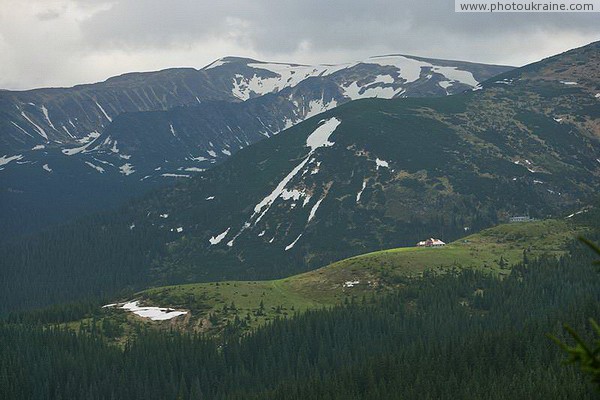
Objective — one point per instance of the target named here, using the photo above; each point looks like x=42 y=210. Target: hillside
x=91 y=147
x=368 y=175
x=451 y=336
x=394 y=171
x=212 y=305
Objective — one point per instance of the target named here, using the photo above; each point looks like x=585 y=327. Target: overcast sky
x=65 y=42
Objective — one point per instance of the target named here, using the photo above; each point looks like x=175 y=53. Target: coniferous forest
x=459 y=335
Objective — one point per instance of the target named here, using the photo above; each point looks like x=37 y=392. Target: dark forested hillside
x=455 y=336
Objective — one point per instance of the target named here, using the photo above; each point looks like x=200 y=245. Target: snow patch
x=104 y=112
x=199 y=159
x=89 y=137
x=46 y=167
x=576 y=213
x=127 y=169
x=306 y=200
x=314 y=209
x=22 y=130
x=364 y=185
x=526 y=165
x=294 y=194
x=97 y=168
x=381 y=163
x=6 y=159
x=45 y=111
x=317 y=107
x=38 y=147
x=217 y=239
x=175 y=175
x=319 y=138
x=67 y=131
x=291 y=245
x=153 y=313
x=41 y=131
x=410 y=70
x=93 y=136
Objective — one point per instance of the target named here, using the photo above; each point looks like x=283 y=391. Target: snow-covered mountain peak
x=385 y=76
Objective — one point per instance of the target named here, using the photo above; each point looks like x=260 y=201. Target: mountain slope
x=368 y=175
x=395 y=172
x=493 y=250
x=63 y=115
x=145 y=129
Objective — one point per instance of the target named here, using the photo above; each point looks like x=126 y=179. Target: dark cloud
x=157 y=33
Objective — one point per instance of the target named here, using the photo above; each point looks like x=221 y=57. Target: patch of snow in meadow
x=153 y=313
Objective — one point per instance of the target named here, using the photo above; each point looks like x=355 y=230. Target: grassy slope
x=377 y=272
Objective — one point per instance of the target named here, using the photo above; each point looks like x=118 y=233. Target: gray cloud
x=88 y=40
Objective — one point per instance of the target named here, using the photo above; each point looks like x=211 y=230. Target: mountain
x=367 y=175
x=89 y=147
x=61 y=116
x=375 y=174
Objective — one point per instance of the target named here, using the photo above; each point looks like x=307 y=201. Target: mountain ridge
x=110 y=128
